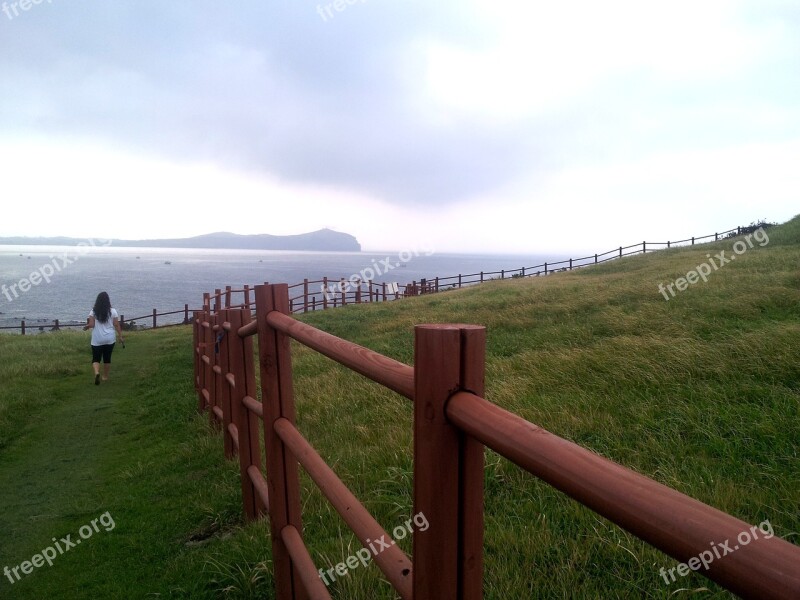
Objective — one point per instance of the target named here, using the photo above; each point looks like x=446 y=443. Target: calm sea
x=140 y=279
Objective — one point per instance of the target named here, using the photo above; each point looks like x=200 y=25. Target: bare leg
x=96 y=367
x=106 y=369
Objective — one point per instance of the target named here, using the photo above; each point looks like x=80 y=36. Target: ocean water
x=140 y=279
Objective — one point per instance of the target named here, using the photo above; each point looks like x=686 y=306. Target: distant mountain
x=324 y=240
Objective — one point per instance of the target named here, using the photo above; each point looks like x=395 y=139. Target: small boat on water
x=167 y=262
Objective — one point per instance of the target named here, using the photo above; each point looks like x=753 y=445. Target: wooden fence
x=55 y=325
x=310 y=296
x=152 y=318
x=321 y=294
x=452 y=425
x=40 y=325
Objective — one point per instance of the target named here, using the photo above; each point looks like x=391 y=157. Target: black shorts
x=103 y=352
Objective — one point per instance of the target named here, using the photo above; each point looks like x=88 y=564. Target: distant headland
x=324 y=240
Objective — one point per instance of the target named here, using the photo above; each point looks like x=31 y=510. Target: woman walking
x=104 y=323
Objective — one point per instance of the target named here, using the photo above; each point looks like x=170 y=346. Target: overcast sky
x=466 y=125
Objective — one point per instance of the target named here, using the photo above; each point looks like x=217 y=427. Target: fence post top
x=448 y=326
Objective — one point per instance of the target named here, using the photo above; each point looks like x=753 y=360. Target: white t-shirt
x=104 y=333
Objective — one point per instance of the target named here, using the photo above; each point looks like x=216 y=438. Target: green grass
x=700 y=392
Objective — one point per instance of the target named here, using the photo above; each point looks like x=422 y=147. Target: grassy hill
x=700 y=392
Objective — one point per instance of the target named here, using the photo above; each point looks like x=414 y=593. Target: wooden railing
x=452 y=425
x=152 y=319
x=321 y=294
x=39 y=325
x=310 y=297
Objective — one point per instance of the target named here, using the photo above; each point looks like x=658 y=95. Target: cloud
x=427 y=107
x=270 y=88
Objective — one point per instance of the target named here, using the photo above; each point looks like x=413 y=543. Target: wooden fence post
x=227 y=296
x=448 y=465
x=241 y=363
x=155 y=314
x=305 y=295
x=207 y=356
x=224 y=388
x=325 y=293
x=197 y=329
x=282 y=469
x=217 y=412
x=186 y=314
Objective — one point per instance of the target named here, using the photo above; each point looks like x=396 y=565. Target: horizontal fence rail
x=453 y=424
x=666 y=519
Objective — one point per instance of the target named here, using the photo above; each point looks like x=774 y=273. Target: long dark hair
x=102 y=307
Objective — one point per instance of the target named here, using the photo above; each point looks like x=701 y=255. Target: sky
x=471 y=126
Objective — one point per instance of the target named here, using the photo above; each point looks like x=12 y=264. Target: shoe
x=97 y=379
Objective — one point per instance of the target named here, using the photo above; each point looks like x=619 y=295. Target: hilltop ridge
x=323 y=240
